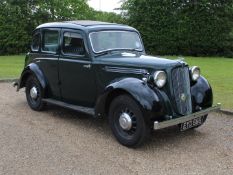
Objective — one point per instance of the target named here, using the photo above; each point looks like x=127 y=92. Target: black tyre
x=127 y=122
x=34 y=94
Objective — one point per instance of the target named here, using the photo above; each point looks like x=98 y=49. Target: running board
x=86 y=110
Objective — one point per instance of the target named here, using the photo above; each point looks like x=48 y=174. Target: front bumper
x=176 y=121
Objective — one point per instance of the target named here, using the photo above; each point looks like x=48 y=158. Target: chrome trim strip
x=172 y=122
x=75 y=61
x=49 y=52
x=67 y=60
x=54 y=59
x=62 y=59
x=125 y=70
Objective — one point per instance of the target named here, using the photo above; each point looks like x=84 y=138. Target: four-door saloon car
x=102 y=69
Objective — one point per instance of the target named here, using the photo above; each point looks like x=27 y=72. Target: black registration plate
x=191 y=123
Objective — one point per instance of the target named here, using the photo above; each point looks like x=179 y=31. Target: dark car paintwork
x=108 y=76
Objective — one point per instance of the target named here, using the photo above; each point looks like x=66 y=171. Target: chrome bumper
x=176 y=121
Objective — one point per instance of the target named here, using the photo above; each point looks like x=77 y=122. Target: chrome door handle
x=87 y=66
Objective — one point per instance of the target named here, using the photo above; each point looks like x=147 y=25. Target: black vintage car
x=102 y=69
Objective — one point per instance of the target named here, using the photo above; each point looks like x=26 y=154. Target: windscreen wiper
x=103 y=53
x=106 y=52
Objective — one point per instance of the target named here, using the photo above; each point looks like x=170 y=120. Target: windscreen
x=113 y=40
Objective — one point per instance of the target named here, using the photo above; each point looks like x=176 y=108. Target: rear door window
x=50 y=41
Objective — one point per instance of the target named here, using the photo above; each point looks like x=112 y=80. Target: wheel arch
x=202 y=94
x=145 y=96
x=114 y=94
x=32 y=70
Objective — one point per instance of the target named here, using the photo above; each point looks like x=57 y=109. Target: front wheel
x=127 y=122
x=34 y=94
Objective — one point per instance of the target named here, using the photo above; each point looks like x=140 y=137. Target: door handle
x=87 y=66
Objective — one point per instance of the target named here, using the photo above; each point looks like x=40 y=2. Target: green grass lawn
x=219 y=72
x=11 y=66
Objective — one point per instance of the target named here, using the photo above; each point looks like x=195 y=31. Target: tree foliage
x=18 y=18
x=190 y=27
x=108 y=17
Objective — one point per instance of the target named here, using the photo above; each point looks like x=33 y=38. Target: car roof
x=89 y=23
x=86 y=25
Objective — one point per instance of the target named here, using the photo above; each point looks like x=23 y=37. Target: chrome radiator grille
x=181 y=90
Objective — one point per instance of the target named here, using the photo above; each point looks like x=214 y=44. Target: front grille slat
x=181 y=90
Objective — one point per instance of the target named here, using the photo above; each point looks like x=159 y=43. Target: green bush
x=195 y=27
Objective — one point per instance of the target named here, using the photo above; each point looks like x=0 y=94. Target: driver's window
x=73 y=44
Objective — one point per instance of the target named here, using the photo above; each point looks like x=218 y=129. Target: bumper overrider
x=176 y=121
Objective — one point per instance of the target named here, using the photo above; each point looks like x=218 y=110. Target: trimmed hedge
x=182 y=27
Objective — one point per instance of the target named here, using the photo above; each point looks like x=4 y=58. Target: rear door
x=48 y=59
x=75 y=70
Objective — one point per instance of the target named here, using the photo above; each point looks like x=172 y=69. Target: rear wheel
x=127 y=122
x=34 y=94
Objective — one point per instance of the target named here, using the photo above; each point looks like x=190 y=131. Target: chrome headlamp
x=195 y=73
x=160 y=78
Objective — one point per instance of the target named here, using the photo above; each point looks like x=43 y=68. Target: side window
x=35 y=46
x=73 y=44
x=50 y=41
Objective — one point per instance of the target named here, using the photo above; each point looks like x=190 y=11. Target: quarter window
x=50 y=41
x=73 y=44
x=35 y=42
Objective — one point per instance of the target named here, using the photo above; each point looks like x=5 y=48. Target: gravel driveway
x=59 y=141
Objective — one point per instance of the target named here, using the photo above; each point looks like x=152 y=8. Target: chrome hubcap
x=33 y=93
x=125 y=121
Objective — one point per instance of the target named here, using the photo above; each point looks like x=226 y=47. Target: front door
x=76 y=73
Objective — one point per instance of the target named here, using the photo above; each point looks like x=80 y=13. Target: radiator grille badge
x=183 y=97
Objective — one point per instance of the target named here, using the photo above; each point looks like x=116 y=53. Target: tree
x=13 y=31
x=107 y=17
x=18 y=18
